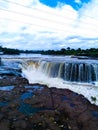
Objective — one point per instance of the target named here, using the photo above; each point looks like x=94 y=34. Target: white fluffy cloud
x=41 y=27
x=78 y=1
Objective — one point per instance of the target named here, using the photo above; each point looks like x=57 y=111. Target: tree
x=68 y=48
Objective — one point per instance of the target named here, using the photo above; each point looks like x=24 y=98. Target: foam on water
x=88 y=90
x=36 y=76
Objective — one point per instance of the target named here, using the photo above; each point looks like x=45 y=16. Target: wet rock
x=1 y=116
x=21 y=124
x=37 y=107
x=5 y=71
x=65 y=102
x=5 y=125
x=84 y=116
x=13 y=80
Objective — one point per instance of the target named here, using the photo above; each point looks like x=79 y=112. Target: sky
x=49 y=24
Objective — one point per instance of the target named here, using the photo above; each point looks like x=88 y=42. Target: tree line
x=5 y=50
x=11 y=51
x=93 y=52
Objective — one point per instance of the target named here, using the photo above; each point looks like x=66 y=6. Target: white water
x=35 y=75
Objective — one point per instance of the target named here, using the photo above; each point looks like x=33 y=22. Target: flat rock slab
x=37 y=107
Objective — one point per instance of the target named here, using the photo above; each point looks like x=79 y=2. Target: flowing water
x=78 y=75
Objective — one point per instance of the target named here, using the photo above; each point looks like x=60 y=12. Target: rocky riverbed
x=25 y=106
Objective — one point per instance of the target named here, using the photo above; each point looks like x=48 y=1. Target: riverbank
x=33 y=106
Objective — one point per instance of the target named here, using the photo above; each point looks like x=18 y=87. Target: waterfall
x=68 y=71
x=80 y=72
x=80 y=77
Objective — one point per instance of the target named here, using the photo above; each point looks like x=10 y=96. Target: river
x=78 y=75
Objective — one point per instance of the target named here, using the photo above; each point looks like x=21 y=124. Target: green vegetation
x=93 y=99
x=9 y=51
x=78 y=52
x=92 y=52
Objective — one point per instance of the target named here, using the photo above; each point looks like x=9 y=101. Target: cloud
x=78 y=1
x=80 y=42
x=38 y=26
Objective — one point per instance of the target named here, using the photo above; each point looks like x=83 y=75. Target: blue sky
x=76 y=4
x=48 y=24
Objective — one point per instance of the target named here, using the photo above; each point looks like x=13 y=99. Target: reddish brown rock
x=43 y=108
x=5 y=125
